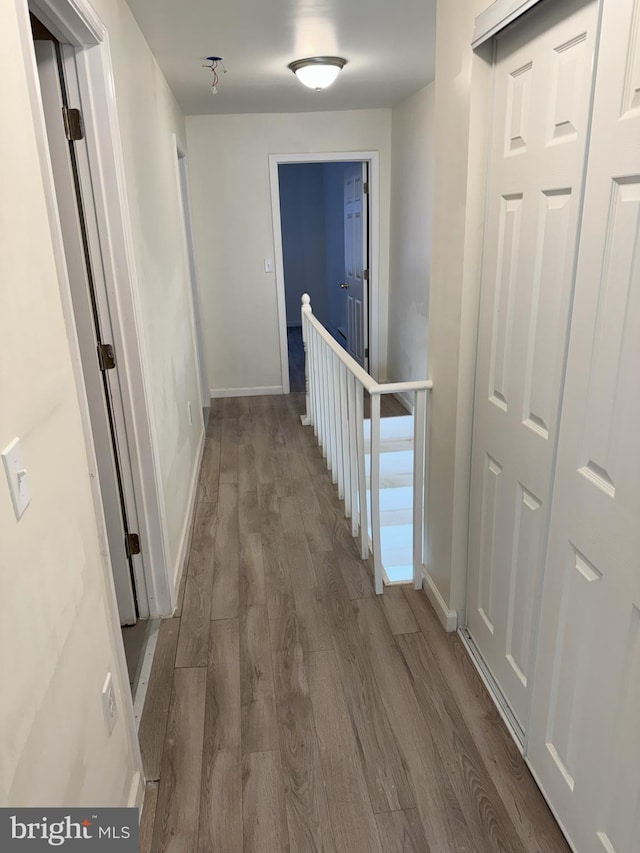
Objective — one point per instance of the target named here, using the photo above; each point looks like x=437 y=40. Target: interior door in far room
x=542 y=88
x=356 y=251
x=91 y=319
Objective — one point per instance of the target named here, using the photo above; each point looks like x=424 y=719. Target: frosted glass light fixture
x=317 y=72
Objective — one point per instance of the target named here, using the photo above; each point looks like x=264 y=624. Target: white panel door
x=585 y=726
x=542 y=91
x=355 y=254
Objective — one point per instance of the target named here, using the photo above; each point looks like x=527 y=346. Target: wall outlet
x=109 y=705
x=189 y=412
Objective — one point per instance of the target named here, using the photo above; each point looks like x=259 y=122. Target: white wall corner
x=448 y=618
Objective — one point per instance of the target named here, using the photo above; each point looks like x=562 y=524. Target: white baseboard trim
x=448 y=618
x=218 y=393
x=136 y=791
x=145 y=670
x=405 y=402
x=185 y=536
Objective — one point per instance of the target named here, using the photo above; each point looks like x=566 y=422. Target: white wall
x=58 y=629
x=149 y=115
x=233 y=231
x=412 y=133
x=461 y=109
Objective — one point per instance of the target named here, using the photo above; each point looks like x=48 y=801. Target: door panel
x=542 y=87
x=355 y=254
x=585 y=738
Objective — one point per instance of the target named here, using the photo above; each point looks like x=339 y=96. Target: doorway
x=324 y=254
x=326 y=235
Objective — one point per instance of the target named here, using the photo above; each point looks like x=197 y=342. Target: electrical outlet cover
x=109 y=705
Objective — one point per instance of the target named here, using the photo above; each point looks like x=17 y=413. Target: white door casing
x=355 y=261
x=584 y=743
x=542 y=88
x=116 y=484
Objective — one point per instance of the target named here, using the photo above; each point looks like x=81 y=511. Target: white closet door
x=542 y=89
x=585 y=726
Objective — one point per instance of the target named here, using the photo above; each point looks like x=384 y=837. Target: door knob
x=344 y=285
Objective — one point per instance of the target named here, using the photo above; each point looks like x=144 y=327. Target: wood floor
x=289 y=708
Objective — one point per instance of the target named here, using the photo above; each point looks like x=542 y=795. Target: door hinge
x=73 y=124
x=366 y=187
x=132 y=544
x=365 y=275
x=106 y=357
x=366 y=352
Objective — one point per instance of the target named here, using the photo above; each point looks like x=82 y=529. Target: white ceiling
x=388 y=45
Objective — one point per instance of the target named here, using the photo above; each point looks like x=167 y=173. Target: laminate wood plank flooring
x=178 y=805
x=289 y=708
x=153 y=727
x=193 y=642
x=145 y=838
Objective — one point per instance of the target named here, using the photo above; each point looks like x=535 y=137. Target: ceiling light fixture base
x=317 y=72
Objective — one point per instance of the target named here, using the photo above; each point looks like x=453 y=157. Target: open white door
x=77 y=213
x=356 y=249
x=584 y=744
x=542 y=87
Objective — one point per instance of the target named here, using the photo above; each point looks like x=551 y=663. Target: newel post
x=305 y=310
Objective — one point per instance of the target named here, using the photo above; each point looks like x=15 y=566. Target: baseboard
x=448 y=618
x=136 y=791
x=218 y=393
x=185 y=537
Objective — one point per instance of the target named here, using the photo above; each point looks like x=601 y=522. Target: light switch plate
x=268 y=265
x=16 y=477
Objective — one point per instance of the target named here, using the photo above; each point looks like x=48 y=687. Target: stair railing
x=334 y=386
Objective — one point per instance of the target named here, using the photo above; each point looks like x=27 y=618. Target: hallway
x=289 y=708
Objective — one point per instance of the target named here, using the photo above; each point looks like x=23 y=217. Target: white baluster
x=362 y=474
x=305 y=309
x=309 y=375
x=326 y=352
x=419 y=438
x=353 y=452
x=335 y=407
x=317 y=410
x=321 y=399
x=344 y=438
x=375 y=491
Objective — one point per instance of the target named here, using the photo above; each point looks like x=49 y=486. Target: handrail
x=334 y=387
x=365 y=379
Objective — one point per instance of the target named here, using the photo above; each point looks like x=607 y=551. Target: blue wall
x=312 y=220
x=303 y=237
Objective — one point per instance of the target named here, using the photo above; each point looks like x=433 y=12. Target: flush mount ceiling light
x=317 y=72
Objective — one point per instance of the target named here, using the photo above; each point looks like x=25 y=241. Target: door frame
x=372 y=158
x=75 y=23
